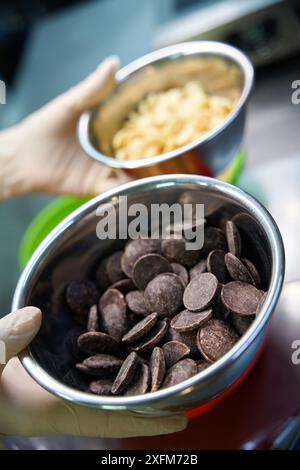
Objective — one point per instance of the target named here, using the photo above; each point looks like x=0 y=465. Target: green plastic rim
x=60 y=208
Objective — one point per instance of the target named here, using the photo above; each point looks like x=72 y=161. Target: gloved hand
x=41 y=154
x=26 y=409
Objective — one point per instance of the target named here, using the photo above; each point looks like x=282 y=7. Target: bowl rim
x=124 y=74
x=278 y=263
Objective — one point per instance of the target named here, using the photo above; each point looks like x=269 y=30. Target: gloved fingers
x=64 y=418
x=20 y=389
x=95 y=88
x=95 y=180
x=113 y=179
x=27 y=409
x=16 y=331
x=88 y=178
x=117 y=424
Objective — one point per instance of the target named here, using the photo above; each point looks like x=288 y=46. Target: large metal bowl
x=71 y=249
x=160 y=70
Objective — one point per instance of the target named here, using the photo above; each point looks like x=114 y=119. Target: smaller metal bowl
x=70 y=252
x=219 y=68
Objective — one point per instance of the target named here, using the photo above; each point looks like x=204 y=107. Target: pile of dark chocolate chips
x=165 y=313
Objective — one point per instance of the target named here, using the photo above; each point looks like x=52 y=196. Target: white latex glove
x=26 y=409
x=41 y=154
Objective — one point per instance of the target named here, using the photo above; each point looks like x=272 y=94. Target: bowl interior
x=75 y=252
x=218 y=75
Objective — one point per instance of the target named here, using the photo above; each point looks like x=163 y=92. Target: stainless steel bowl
x=71 y=249
x=160 y=70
